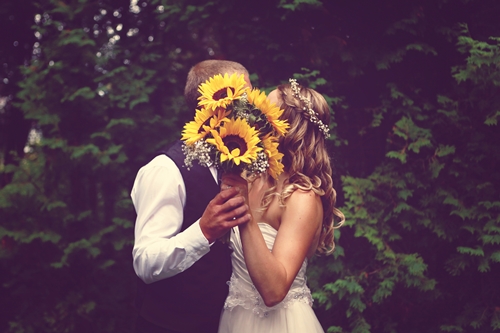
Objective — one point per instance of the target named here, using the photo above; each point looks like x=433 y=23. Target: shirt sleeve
x=160 y=249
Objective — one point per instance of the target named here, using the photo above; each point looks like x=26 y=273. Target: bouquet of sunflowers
x=234 y=129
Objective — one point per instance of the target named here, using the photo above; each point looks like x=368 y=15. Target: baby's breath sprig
x=201 y=151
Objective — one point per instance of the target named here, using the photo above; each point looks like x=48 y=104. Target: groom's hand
x=228 y=209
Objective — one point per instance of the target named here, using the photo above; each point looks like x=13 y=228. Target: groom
x=182 y=267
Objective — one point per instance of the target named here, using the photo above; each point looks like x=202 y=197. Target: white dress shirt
x=160 y=249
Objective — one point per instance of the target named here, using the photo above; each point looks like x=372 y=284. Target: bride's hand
x=233 y=180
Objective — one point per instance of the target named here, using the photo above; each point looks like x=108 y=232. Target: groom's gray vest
x=192 y=300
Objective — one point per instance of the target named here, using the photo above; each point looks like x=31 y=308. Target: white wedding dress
x=244 y=310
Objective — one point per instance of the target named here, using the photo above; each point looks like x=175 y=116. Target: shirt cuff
x=196 y=245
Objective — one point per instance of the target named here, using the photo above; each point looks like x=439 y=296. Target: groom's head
x=202 y=71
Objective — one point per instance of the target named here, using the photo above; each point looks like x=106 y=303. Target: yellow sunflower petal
x=204 y=120
x=270 y=110
x=236 y=141
x=220 y=91
x=235 y=152
x=274 y=156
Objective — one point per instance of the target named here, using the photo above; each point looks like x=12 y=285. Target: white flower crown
x=313 y=116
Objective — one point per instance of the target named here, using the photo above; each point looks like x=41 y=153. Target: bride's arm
x=273 y=272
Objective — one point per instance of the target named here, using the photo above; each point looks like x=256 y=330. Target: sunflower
x=204 y=121
x=219 y=91
x=236 y=141
x=270 y=110
x=274 y=156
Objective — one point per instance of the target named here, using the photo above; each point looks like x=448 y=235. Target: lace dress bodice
x=243 y=293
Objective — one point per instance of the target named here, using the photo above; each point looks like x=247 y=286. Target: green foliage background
x=415 y=93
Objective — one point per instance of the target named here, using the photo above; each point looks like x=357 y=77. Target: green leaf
x=495 y=319
x=383 y=291
x=492 y=119
x=79 y=152
x=356 y=303
x=141 y=99
x=405 y=194
x=444 y=150
x=84 y=92
x=122 y=121
x=495 y=256
x=490 y=204
x=87 y=307
x=451 y=328
x=435 y=167
x=107 y=263
x=400 y=155
x=296 y=3
x=401 y=206
x=75 y=36
x=470 y=251
x=55 y=204
x=484 y=265
x=490 y=239
x=26 y=238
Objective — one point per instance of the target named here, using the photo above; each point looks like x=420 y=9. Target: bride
x=292 y=219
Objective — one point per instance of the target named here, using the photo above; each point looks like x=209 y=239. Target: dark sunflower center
x=221 y=93
x=234 y=141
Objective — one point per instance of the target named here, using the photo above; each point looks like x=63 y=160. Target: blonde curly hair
x=306 y=159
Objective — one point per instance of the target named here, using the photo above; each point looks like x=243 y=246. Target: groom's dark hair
x=202 y=71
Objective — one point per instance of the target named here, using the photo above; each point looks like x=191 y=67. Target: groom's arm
x=160 y=249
